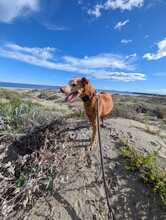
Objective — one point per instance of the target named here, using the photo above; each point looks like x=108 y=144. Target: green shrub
x=18 y=114
x=148 y=170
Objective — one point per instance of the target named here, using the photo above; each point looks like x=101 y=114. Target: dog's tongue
x=71 y=96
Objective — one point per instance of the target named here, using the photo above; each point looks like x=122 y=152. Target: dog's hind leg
x=102 y=122
x=103 y=125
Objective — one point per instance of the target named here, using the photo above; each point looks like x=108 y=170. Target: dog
x=81 y=87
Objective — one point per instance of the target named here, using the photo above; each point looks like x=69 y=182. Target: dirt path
x=80 y=195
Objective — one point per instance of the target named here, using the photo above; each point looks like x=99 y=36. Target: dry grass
x=33 y=175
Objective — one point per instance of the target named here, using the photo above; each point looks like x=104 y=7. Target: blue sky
x=117 y=44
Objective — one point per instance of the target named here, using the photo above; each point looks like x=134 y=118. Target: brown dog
x=81 y=87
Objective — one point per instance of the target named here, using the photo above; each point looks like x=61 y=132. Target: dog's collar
x=87 y=98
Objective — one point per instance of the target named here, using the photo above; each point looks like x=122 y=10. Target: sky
x=117 y=44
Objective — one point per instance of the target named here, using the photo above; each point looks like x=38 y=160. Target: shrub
x=149 y=172
x=18 y=115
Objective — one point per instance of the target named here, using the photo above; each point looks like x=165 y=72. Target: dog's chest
x=90 y=109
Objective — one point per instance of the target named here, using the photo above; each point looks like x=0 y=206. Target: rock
x=140 y=108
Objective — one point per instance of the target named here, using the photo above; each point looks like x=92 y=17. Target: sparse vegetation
x=148 y=128
x=146 y=122
x=138 y=107
x=8 y=94
x=25 y=180
x=32 y=174
x=148 y=170
x=18 y=115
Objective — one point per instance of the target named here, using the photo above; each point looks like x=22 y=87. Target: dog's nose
x=61 y=90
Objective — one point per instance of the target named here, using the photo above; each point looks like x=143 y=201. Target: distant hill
x=26 y=86
x=35 y=86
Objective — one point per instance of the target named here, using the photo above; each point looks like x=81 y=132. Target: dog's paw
x=92 y=146
x=83 y=155
x=86 y=158
x=88 y=161
x=103 y=126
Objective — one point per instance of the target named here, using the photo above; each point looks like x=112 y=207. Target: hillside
x=43 y=171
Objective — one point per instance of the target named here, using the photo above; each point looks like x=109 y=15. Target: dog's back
x=105 y=104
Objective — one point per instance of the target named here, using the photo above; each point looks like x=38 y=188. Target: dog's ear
x=84 y=81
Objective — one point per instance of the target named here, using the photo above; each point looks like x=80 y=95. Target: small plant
x=146 y=122
x=148 y=170
x=77 y=115
x=147 y=126
x=124 y=141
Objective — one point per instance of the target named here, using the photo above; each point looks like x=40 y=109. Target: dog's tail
x=103 y=92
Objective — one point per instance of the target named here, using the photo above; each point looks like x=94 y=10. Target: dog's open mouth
x=71 y=96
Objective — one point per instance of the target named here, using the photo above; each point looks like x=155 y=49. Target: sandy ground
x=81 y=196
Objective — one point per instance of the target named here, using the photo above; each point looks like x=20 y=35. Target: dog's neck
x=88 y=98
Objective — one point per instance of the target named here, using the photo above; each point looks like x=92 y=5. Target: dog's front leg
x=93 y=140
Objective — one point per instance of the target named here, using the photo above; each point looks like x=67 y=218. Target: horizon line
x=54 y=86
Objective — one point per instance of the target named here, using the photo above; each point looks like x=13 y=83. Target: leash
x=111 y=213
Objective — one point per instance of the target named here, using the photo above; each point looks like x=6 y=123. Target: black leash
x=111 y=215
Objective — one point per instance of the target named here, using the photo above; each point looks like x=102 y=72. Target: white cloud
x=115 y=4
x=101 y=61
x=119 y=76
x=53 y=27
x=153 y=3
x=161 y=52
x=146 y=36
x=41 y=53
x=104 y=66
x=121 y=24
x=125 y=41
x=123 y=4
x=11 y=9
x=80 y=2
x=95 y=11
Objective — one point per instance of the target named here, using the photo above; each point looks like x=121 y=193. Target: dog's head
x=78 y=87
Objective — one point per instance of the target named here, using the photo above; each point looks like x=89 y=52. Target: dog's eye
x=73 y=85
